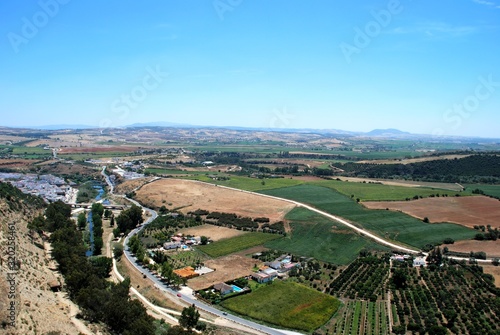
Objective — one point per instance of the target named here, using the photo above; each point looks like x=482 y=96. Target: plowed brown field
x=467 y=211
x=190 y=195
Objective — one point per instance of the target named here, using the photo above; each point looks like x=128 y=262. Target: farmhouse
x=223 y=288
x=172 y=245
x=419 y=261
x=265 y=276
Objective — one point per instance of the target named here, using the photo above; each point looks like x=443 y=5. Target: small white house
x=419 y=261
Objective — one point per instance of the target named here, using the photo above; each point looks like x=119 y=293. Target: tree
x=108 y=213
x=135 y=214
x=112 y=221
x=163 y=210
x=399 y=278
x=167 y=271
x=82 y=221
x=97 y=208
x=38 y=224
x=204 y=240
x=118 y=251
x=189 y=317
x=102 y=266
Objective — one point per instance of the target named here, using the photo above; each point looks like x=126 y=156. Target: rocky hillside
x=26 y=298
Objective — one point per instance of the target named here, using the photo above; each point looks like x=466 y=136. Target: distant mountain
x=63 y=127
x=162 y=124
x=391 y=132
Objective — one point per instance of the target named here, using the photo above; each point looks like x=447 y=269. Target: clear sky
x=422 y=66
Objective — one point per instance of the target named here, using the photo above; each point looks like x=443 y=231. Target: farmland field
x=467 y=211
x=286 y=304
x=250 y=184
x=372 y=191
x=392 y=225
x=189 y=195
x=316 y=236
x=235 y=244
x=491 y=190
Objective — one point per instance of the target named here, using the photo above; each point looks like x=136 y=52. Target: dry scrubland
x=190 y=195
x=466 y=211
x=35 y=302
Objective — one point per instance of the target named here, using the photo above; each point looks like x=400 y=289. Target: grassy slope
x=316 y=236
x=286 y=304
x=393 y=225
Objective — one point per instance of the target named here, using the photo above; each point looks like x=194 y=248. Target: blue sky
x=420 y=66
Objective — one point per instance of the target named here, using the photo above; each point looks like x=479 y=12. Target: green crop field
x=392 y=225
x=379 y=192
x=286 y=304
x=316 y=236
x=235 y=244
x=250 y=184
x=491 y=190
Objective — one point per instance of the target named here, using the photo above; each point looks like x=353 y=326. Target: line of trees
x=85 y=278
x=481 y=168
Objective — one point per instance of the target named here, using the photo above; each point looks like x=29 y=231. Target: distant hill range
x=376 y=133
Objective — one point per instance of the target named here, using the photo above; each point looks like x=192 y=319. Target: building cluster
x=129 y=173
x=417 y=261
x=181 y=242
x=277 y=268
x=49 y=187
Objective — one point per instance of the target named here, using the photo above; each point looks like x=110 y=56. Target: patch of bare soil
x=188 y=195
x=467 y=211
x=215 y=233
x=226 y=268
x=494 y=271
x=131 y=185
x=491 y=248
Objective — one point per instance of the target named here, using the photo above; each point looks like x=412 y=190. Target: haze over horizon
x=417 y=66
